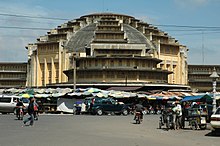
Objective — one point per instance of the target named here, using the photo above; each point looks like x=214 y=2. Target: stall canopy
x=203 y=97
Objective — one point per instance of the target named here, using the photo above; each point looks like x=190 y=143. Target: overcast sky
x=203 y=43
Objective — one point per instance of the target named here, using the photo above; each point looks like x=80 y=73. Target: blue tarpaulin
x=204 y=97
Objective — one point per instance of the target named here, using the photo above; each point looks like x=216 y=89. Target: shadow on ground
x=213 y=134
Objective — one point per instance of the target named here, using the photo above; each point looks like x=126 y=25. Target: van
x=8 y=103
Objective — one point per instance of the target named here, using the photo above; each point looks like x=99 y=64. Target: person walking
x=36 y=107
x=30 y=111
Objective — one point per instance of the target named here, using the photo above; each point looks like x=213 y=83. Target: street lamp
x=214 y=77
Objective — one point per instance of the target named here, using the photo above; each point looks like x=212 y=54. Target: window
x=136 y=62
x=217 y=111
x=128 y=62
x=120 y=63
x=5 y=100
x=112 y=63
x=143 y=64
x=96 y=62
x=120 y=75
x=90 y=64
x=103 y=62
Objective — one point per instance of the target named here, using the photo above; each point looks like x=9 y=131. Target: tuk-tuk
x=196 y=110
x=197 y=117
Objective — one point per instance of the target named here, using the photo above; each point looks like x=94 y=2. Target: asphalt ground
x=90 y=130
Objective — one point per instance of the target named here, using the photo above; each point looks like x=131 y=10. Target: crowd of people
x=182 y=112
x=179 y=110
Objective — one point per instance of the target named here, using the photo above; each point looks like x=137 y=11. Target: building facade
x=107 y=48
x=199 y=77
x=13 y=75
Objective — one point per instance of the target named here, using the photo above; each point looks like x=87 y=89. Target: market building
x=107 y=49
x=199 y=77
x=13 y=74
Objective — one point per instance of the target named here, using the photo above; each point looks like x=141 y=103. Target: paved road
x=85 y=130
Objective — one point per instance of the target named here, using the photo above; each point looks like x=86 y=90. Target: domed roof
x=86 y=35
x=106 y=14
x=81 y=38
x=136 y=37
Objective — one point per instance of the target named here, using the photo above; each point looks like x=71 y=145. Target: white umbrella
x=141 y=95
x=42 y=95
x=58 y=94
x=75 y=94
x=101 y=94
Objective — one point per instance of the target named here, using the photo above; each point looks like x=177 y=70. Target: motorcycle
x=20 y=112
x=151 y=111
x=138 y=118
x=170 y=121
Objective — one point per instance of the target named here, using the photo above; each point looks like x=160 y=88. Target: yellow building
x=13 y=74
x=108 y=49
x=199 y=77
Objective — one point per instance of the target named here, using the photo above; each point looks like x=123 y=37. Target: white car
x=8 y=103
x=215 y=120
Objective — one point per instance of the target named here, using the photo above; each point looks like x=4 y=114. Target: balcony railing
x=12 y=71
x=200 y=80
x=200 y=72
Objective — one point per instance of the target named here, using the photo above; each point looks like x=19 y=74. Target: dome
x=81 y=38
x=86 y=35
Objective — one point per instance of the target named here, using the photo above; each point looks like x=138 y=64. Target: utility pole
x=203 y=55
x=74 y=73
x=36 y=83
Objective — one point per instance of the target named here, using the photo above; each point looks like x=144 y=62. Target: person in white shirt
x=83 y=108
x=178 y=115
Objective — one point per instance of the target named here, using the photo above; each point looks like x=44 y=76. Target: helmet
x=194 y=103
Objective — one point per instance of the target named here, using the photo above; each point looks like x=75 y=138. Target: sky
x=201 y=36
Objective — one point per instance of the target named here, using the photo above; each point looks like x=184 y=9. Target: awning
x=124 y=88
x=197 y=98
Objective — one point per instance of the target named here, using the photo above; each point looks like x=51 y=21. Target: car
x=108 y=105
x=8 y=103
x=215 y=120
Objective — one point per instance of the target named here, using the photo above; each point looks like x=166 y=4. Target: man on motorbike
x=139 y=109
x=19 y=106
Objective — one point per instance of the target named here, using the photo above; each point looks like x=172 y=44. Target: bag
x=35 y=108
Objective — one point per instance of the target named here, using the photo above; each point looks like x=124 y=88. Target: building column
x=37 y=71
x=104 y=76
x=45 y=73
x=158 y=49
x=53 y=71
x=60 y=64
x=138 y=76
